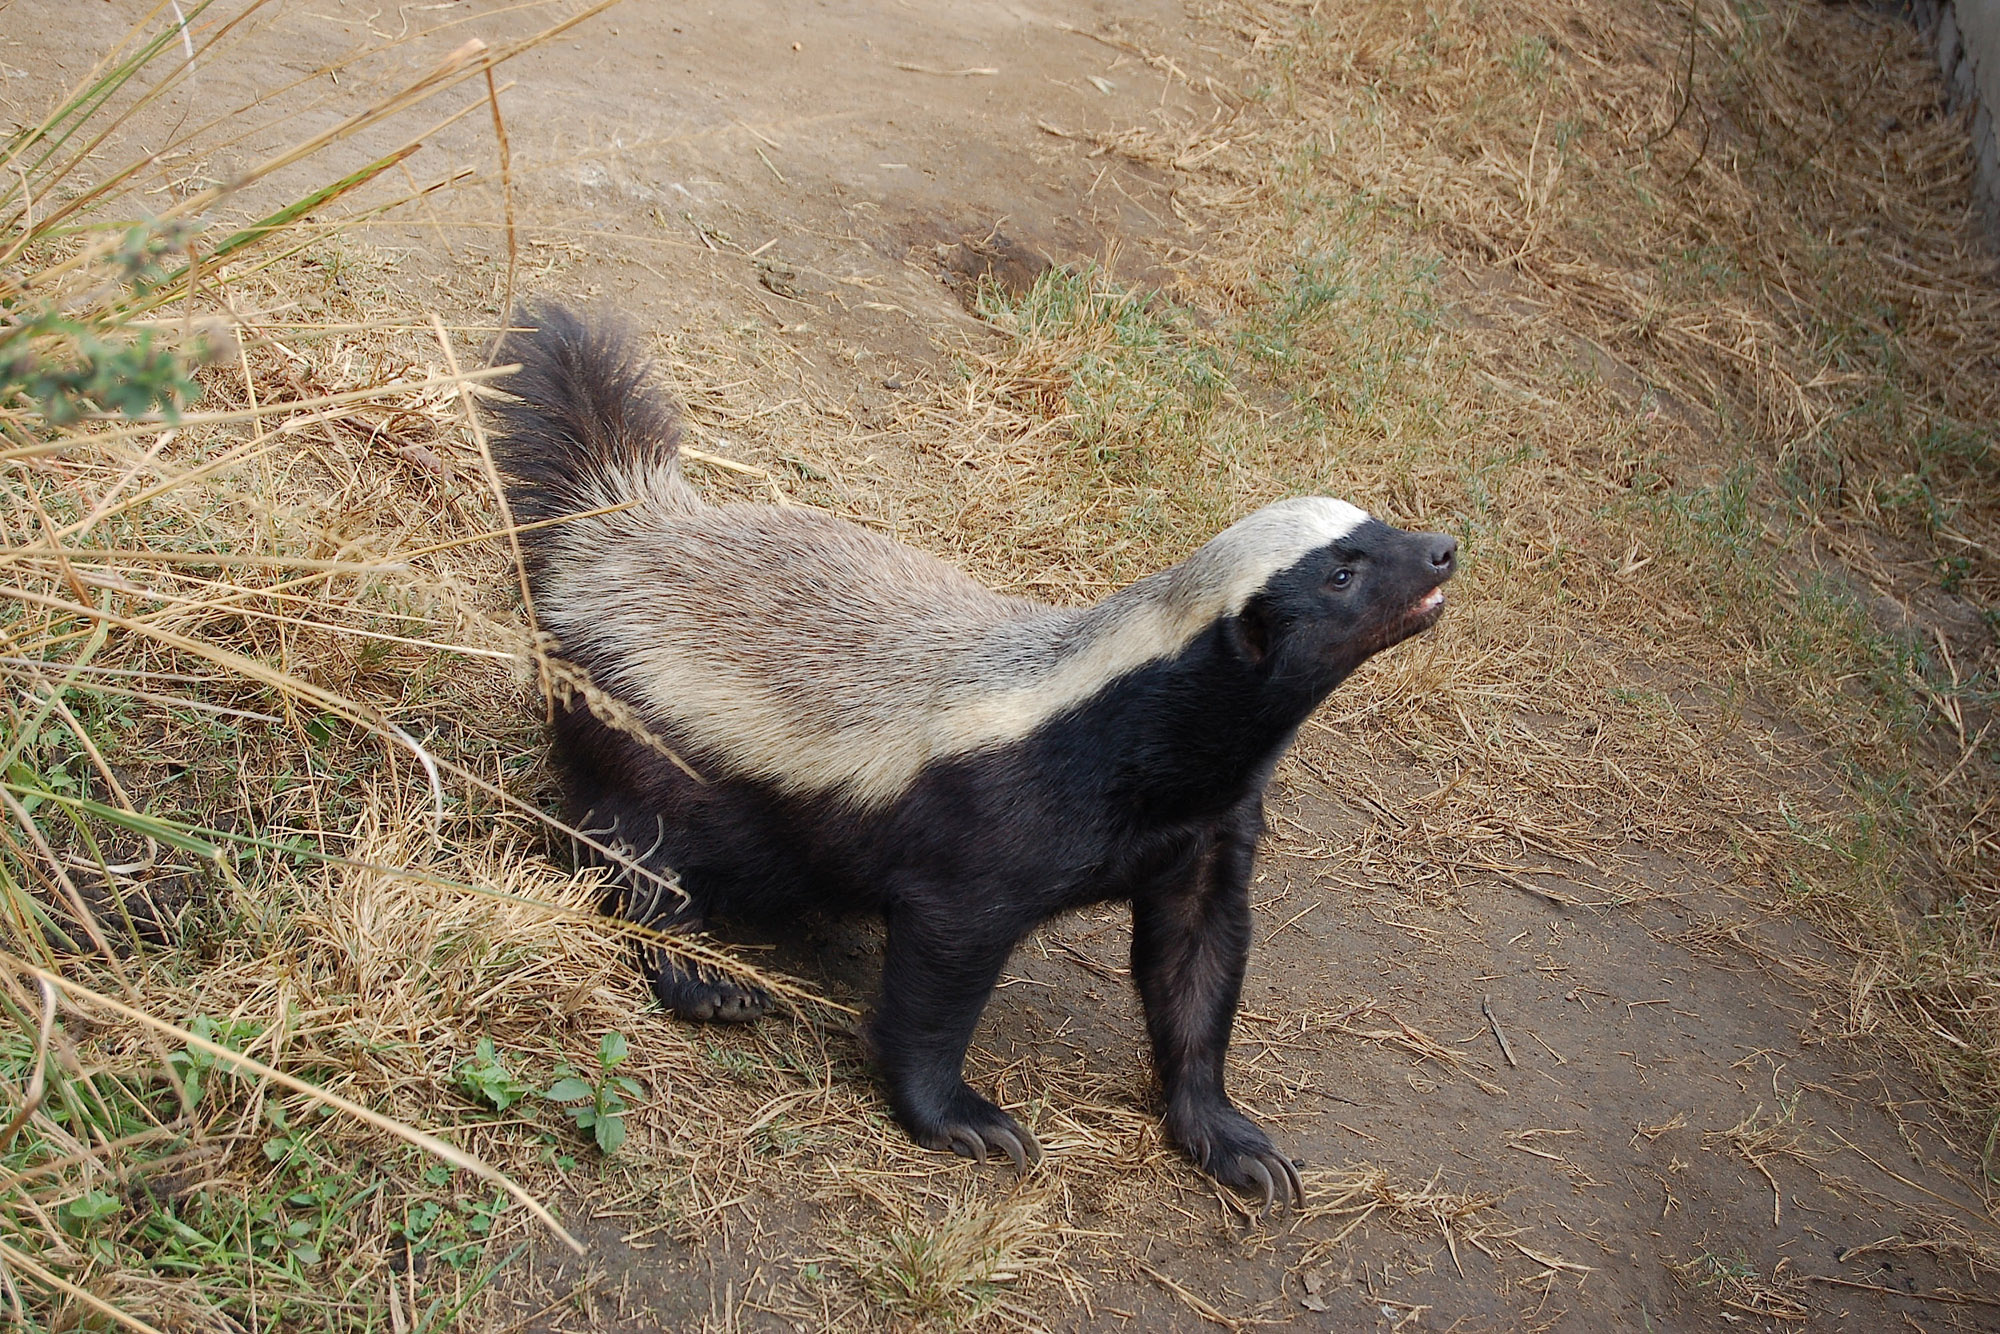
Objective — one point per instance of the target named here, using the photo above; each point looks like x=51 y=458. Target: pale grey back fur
x=788 y=646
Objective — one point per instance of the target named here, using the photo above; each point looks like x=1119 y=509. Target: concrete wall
x=1965 y=35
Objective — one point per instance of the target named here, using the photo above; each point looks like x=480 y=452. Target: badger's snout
x=1437 y=559
x=1443 y=554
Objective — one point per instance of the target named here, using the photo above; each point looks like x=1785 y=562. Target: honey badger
x=874 y=731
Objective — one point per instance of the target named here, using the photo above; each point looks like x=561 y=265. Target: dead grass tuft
x=1355 y=1194
x=948 y=1271
x=1736 y=1285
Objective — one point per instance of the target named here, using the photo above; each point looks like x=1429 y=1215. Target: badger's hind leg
x=698 y=994
x=647 y=893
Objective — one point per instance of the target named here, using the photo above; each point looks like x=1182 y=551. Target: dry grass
x=269 y=725
x=1737 y=1286
x=954 y=1269
x=1773 y=452
x=245 y=904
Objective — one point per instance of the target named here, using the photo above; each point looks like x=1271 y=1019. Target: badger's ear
x=1250 y=632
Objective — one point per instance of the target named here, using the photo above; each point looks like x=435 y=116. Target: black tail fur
x=581 y=420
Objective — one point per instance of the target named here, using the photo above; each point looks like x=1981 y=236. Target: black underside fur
x=976 y=854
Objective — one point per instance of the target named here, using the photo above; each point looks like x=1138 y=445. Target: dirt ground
x=1669 y=1135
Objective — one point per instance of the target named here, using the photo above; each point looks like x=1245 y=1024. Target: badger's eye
x=1342 y=578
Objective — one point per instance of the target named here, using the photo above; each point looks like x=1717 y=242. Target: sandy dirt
x=1666 y=1094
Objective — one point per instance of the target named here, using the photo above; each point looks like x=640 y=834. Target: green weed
x=599 y=1102
x=69 y=362
x=488 y=1080
x=1138 y=371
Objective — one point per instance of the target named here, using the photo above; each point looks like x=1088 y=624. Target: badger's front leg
x=1190 y=941
x=937 y=973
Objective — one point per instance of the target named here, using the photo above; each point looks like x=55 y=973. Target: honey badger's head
x=1344 y=600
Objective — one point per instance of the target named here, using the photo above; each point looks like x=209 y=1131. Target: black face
x=1319 y=620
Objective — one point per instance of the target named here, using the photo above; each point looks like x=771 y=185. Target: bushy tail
x=581 y=428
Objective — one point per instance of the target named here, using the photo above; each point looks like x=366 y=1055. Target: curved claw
x=1021 y=1148
x=966 y=1144
x=1294 y=1180
x=1254 y=1168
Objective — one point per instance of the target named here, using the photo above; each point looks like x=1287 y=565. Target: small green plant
x=190 y=1064
x=451 y=1229
x=489 y=1081
x=601 y=1103
x=1528 y=58
x=1132 y=372
x=84 y=1212
x=68 y=361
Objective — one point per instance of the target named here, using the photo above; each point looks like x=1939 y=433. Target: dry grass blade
x=1192 y=1301
x=31 y=1096
x=15 y=1259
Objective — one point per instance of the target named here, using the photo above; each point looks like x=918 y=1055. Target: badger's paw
x=708 y=1000
x=971 y=1127
x=1229 y=1147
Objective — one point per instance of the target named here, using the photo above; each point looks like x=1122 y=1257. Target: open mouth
x=1424 y=612
x=1420 y=616
x=1416 y=618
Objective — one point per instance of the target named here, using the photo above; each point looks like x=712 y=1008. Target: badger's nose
x=1444 y=555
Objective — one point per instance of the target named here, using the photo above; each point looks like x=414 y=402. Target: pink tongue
x=1431 y=599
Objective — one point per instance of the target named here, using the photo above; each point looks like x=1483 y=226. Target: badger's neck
x=1147 y=691
x=1198 y=732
